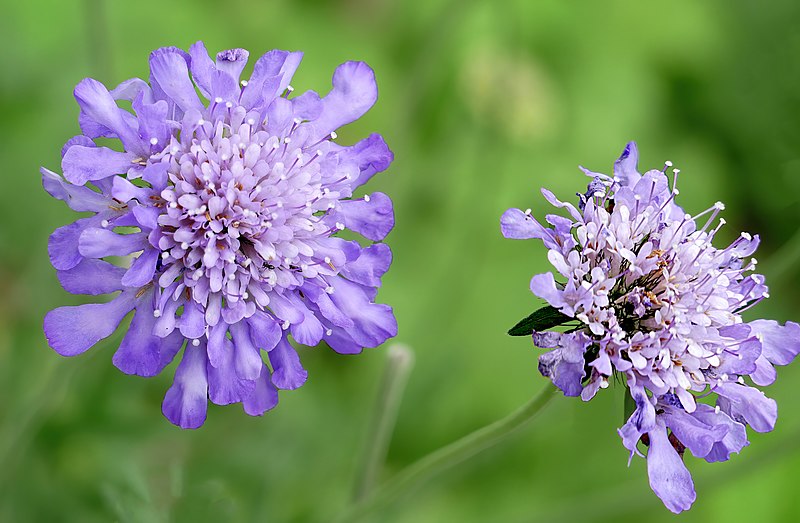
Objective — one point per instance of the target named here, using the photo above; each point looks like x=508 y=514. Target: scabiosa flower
x=642 y=293
x=228 y=212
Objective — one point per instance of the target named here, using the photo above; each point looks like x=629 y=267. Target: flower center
x=245 y=207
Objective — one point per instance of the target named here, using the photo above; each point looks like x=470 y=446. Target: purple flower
x=226 y=213
x=643 y=293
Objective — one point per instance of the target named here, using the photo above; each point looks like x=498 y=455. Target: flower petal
x=92 y=277
x=141 y=352
x=669 y=477
x=264 y=397
x=169 y=73
x=373 y=218
x=186 y=402
x=288 y=373
x=75 y=329
x=748 y=404
x=354 y=92
x=224 y=385
x=85 y=164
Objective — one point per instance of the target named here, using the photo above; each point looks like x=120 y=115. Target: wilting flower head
x=228 y=210
x=641 y=292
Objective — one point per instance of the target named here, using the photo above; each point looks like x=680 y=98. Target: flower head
x=641 y=292
x=227 y=211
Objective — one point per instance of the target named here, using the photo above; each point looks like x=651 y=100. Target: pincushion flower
x=642 y=293
x=226 y=206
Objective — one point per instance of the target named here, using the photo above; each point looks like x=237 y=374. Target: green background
x=483 y=103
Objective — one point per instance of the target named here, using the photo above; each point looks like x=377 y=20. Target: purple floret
x=227 y=208
x=658 y=304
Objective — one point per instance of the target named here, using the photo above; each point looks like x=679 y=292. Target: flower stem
x=400 y=360
x=440 y=460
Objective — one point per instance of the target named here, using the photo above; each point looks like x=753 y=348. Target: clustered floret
x=217 y=224
x=642 y=293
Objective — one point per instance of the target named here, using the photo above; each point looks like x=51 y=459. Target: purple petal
x=224 y=386
x=247 y=358
x=152 y=122
x=202 y=67
x=92 y=277
x=271 y=74
x=735 y=438
x=544 y=286
x=373 y=323
x=96 y=242
x=625 y=168
x=86 y=164
x=669 y=477
x=372 y=218
x=62 y=245
x=371 y=264
x=748 y=404
x=741 y=360
x=232 y=62
x=142 y=269
x=288 y=372
x=78 y=198
x=371 y=155
x=73 y=330
x=169 y=71
x=186 y=402
x=264 y=397
x=517 y=225
x=765 y=373
x=192 y=322
x=99 y=106
x=77 y=140
x=264 y=331
x=307 y=106
x=698 y=436
x=354 y=92
x=780 y=344
x=141 y=352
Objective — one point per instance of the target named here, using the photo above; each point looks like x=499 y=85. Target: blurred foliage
x=482 y=102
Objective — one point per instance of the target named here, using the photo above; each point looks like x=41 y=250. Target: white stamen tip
x=668 y=163
x=334 y=135
x=328 y=332
x=719 y=206
x=195 y=342
x=153 y=141
x=218 y=100
x=164 y=255
x=244 y=83
x=185 y=246
x=366 y=197
x=156 y=313
x=329 y=289
x=104 y=224
x=285 y=325
x=173 y=205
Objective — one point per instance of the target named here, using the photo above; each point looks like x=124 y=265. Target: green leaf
x=543 y=319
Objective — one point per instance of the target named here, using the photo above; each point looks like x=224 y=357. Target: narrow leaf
x=543 y=319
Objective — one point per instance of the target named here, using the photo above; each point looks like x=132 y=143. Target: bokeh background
x=482 y=102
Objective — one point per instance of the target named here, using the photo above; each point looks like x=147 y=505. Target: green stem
x=446 y=457
x=400 y=359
